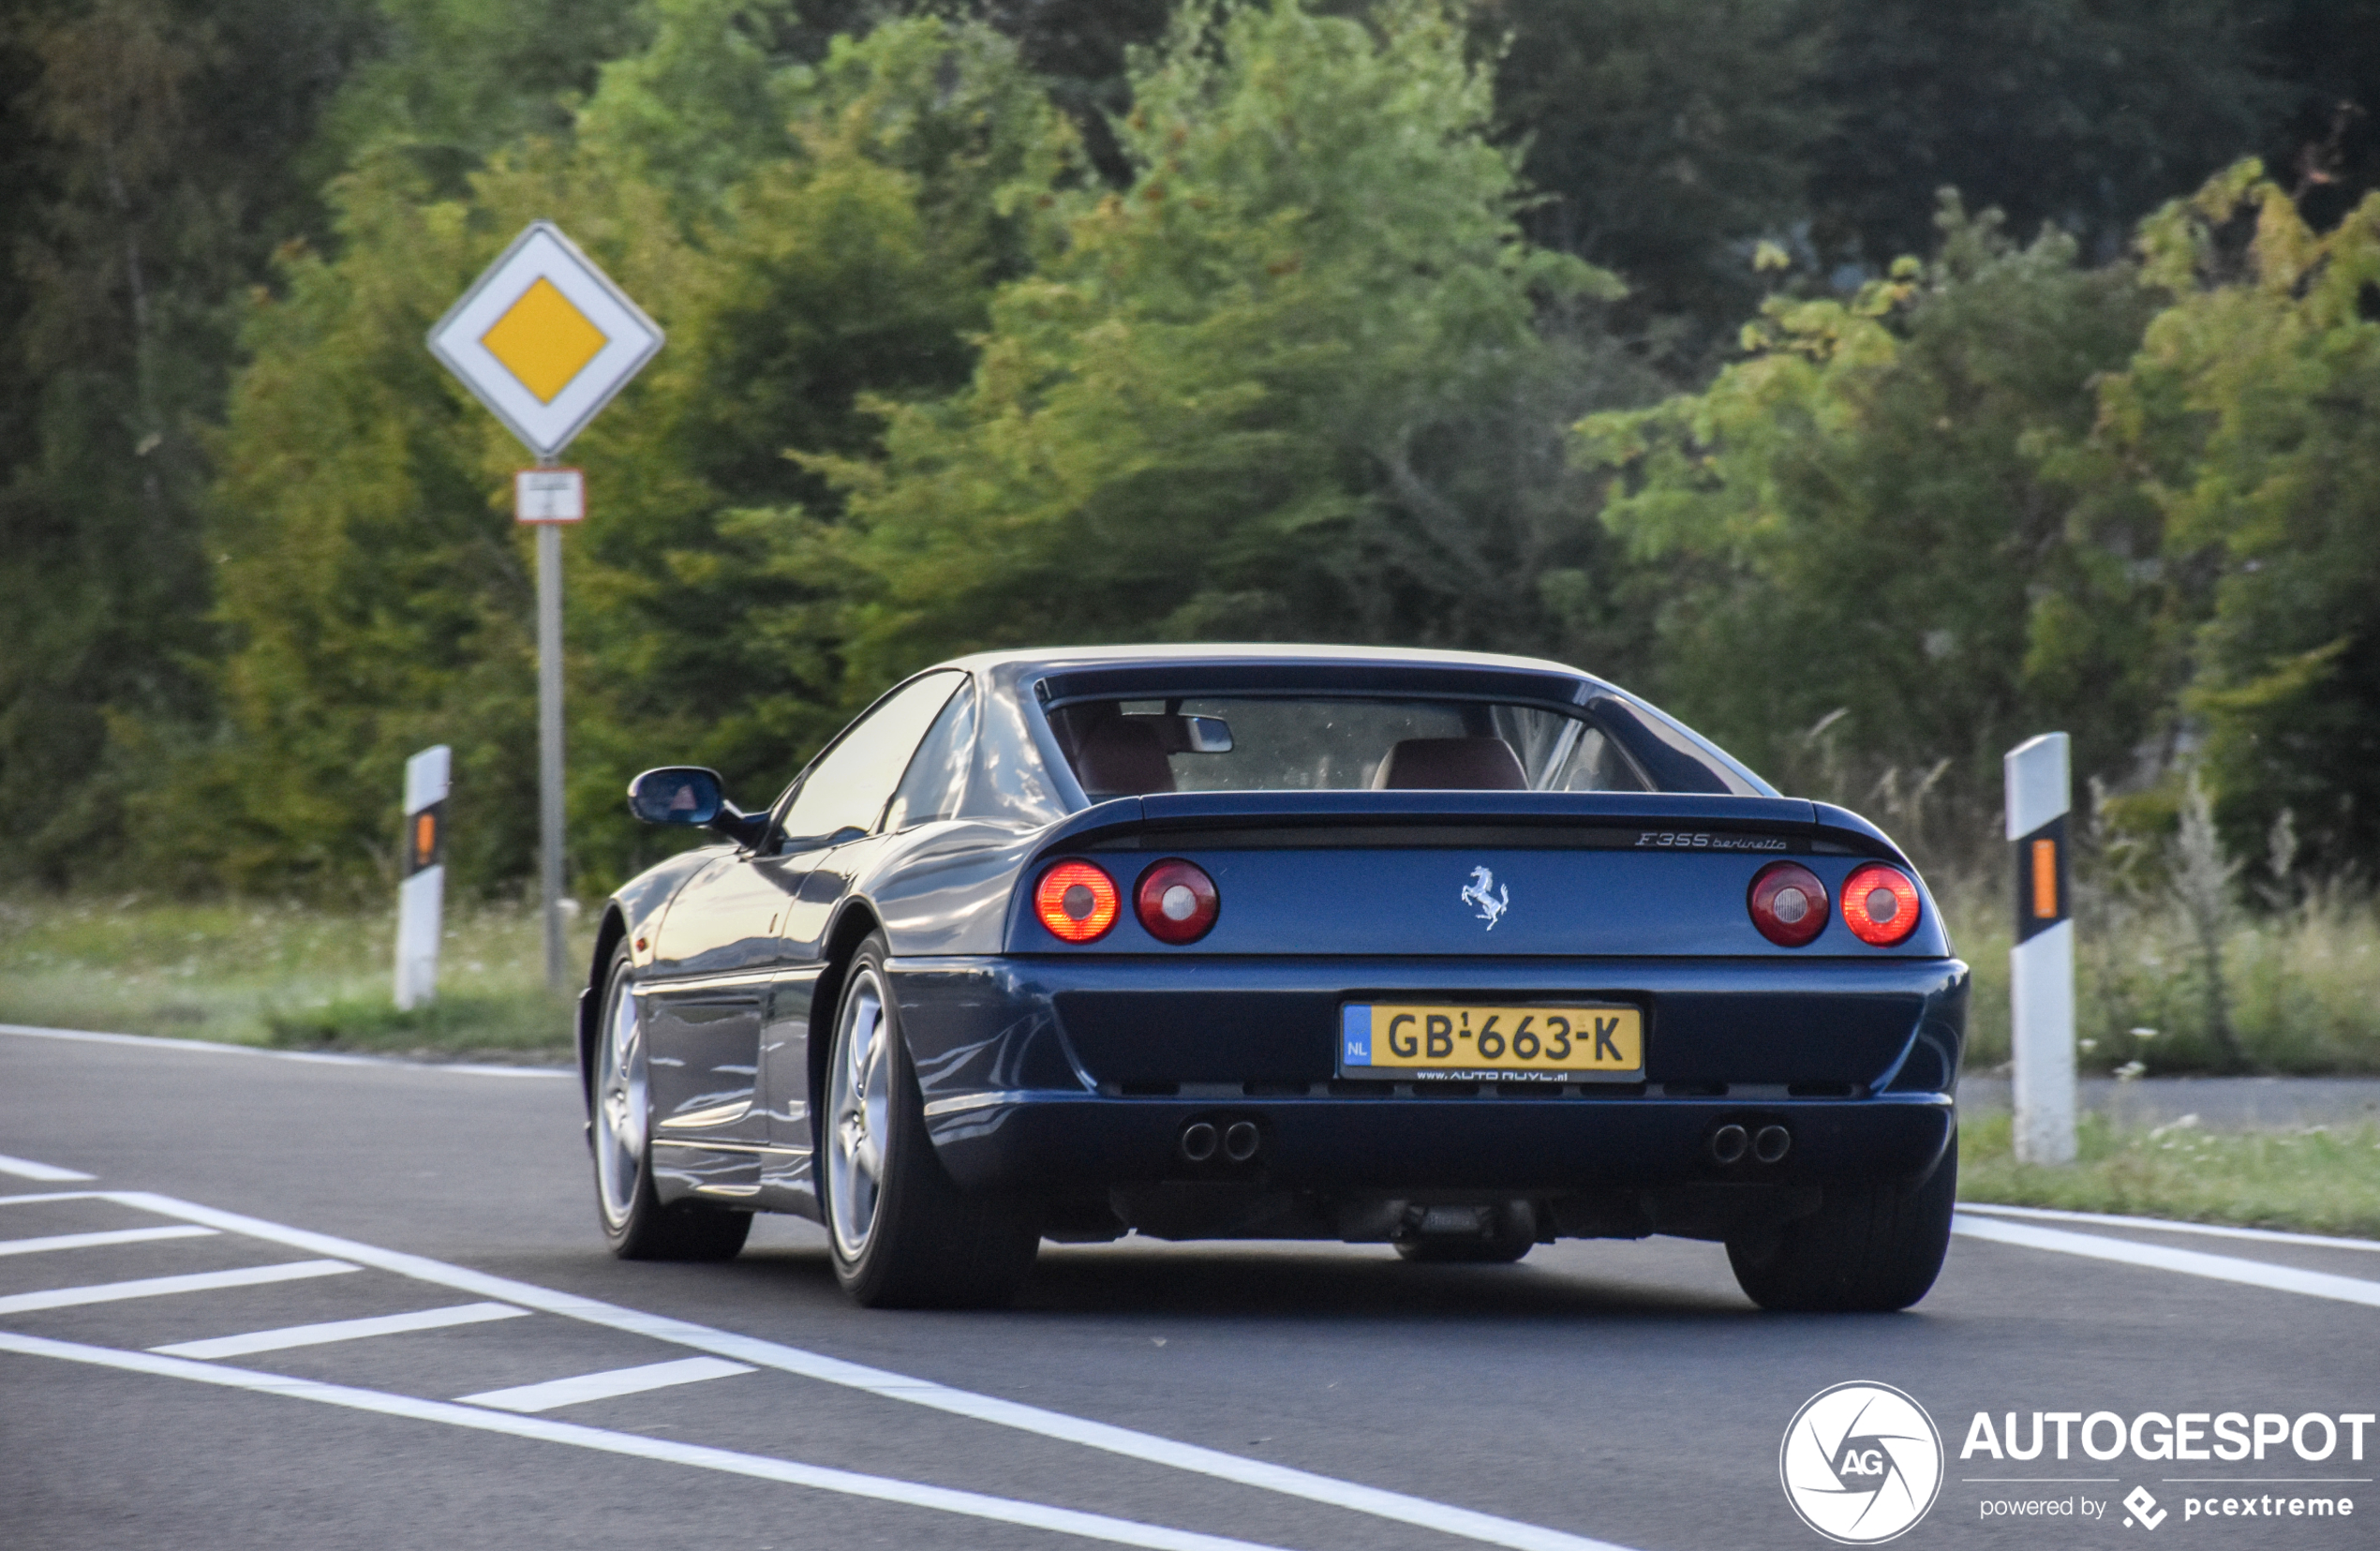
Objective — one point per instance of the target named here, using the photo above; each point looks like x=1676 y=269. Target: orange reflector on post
x=2046 y=880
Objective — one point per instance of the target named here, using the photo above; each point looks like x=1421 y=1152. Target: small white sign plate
x=549 y=495
x=545 y=339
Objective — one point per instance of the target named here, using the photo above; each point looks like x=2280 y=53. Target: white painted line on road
x=1031 y=1516
x=319 y=1058
x=341 y=1330
x=2165 y=1224
x=1399 y=1507
x=2157 y=1257
x=51 y=1195
x=151 y=1287
x=46 y=1172
x=557 y=1392
x=93 y=1241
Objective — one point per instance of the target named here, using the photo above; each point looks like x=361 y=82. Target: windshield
x=1132 y=747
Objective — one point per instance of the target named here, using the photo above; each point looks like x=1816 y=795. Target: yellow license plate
x=1579 y=1044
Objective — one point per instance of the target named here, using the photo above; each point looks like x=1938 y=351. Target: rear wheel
x=903 y=1234
x=635 y=1223
x=1869 y=1248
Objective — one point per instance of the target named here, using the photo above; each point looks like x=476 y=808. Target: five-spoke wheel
x=635 y=1223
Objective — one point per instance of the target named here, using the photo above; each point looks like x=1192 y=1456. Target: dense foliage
x=1415 y=320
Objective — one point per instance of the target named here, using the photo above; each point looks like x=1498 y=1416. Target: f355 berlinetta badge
x=1492 y=906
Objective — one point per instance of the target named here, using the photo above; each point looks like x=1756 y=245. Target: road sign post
x=543 y=338
x=2042 y=964
x=421 y=898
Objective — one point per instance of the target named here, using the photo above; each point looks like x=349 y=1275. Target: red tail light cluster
x=1077 y=902
x=1177 y=902
x=1788 y=903
x=1789 y=906
x=1880 y=904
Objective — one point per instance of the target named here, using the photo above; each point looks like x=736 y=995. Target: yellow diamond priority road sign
x=545 y=339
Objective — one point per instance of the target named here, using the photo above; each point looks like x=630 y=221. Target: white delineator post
x=2042 y=964
x=421 y=902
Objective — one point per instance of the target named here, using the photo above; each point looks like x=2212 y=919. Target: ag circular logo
x=1860 y=1463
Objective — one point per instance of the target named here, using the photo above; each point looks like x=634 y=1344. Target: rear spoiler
x=1600 y=820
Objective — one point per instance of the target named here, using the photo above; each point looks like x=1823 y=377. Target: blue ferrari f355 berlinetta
x=1457 y=953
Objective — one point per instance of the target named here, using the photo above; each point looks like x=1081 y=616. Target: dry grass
x=284 y=974
x=2301 y=984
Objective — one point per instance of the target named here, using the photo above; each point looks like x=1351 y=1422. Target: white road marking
x=93 y=1241
x=2189 y=1263
x=557 y=1392
x=49 y=1195
x=151 y=1287
x=318 y=1058
x=341 y=1330
x=27 y=1168
x=1399 y=1507
x=2164 y=1225
x=1032 y=1516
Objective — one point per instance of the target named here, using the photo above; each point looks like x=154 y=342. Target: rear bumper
x=1055 y=1074
x=1041 y=1143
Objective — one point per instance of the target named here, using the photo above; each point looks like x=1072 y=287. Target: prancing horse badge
x=1492 y=906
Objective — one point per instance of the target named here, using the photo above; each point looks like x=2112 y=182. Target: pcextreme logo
x=1860 y=1463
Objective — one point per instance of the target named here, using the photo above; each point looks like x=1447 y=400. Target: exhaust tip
x=1729 y=1143
x=1772 y=1143
x=1198 y=1142
x=1240 y=1140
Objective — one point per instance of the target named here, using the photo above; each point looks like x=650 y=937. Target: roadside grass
x=2300 y=986
x=281 y=975
x=2320 y=1180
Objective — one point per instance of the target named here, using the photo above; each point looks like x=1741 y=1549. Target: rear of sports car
x=1479 y=985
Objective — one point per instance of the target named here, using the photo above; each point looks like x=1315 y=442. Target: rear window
x=1290 y=744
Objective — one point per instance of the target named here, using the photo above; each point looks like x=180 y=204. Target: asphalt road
x=1324 y=1397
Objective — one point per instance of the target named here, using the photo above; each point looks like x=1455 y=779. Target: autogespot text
x=2229 y=1436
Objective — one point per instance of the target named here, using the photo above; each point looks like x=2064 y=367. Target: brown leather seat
x=1450 y=765
x=1122 y=757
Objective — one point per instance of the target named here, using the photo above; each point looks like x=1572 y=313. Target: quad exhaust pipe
x=1768 y=1144
x=1237 y=1141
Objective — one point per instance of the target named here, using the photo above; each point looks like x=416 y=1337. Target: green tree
x=1664 y=137
x=148 y=175
x=2088 y=114
x=1855 y=520
x=2251 y=419
x=841 y=229
x=1289 y=383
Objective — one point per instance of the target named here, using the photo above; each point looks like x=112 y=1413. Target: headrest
x=1122 y=756
x=1450 y=765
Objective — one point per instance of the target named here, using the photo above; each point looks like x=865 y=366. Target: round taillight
x=1880 y=904
x=1177 y=902
x=1077 y=902
x=1788 y=903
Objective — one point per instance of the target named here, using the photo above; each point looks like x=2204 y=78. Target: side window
x=937 y=777
x=849 y=786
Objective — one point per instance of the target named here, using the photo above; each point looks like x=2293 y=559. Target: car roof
x=1258 y=651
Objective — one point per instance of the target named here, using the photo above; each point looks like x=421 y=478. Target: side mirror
x=677 y=794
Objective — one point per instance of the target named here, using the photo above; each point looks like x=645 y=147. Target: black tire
x=1869 y=1249
x=906 y=1237
x=637 y=1226
x=1514 y=1235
